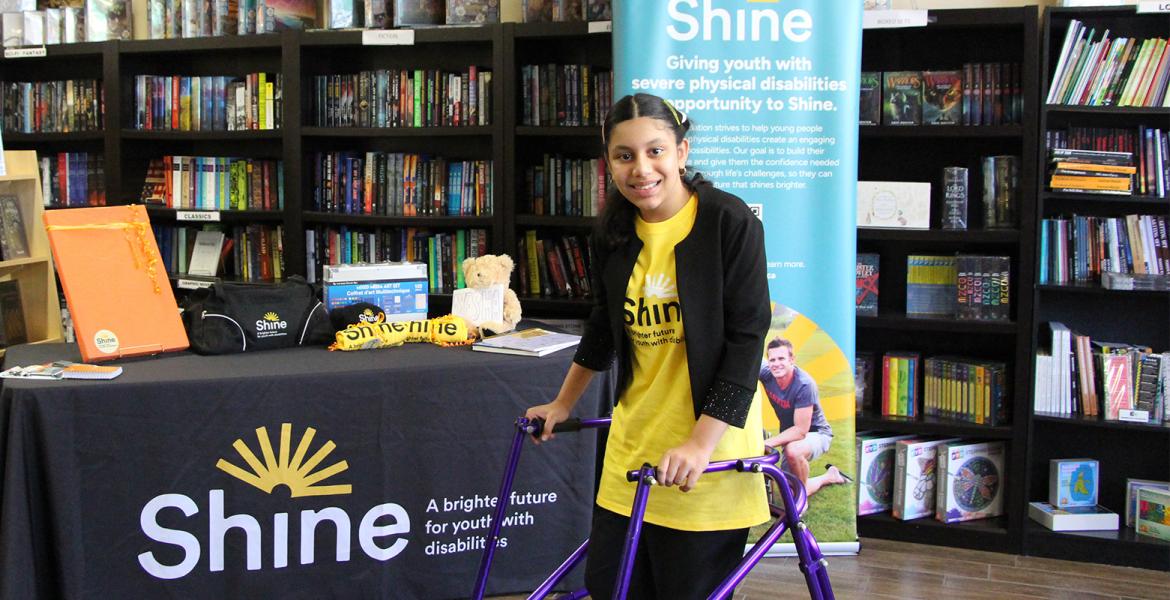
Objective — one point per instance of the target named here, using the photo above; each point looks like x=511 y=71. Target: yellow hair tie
x=674 y=112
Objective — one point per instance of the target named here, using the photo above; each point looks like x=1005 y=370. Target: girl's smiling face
x=644 y=161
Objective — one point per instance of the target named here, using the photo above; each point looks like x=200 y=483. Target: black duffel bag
x=242 y=317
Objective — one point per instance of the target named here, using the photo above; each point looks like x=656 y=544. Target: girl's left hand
x=683 y=465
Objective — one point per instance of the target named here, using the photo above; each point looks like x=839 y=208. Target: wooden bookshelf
x=950 y=39
x=1123 y=450
x=40 y=307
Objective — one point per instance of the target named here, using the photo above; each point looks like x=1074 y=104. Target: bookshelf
x=297 y=57
x=34 y=276
x=1122 y=449
x=560 y=44
x=951 y=39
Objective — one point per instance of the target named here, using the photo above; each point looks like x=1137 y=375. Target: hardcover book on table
x=529 y=342
x=114 y=282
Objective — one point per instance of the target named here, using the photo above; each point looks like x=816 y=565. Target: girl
x=682 y=302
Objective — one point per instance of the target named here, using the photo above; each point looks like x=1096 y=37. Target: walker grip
x=536 y=426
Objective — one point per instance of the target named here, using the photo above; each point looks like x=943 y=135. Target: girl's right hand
x=552 y=413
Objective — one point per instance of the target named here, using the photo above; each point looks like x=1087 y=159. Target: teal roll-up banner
x=772 y=89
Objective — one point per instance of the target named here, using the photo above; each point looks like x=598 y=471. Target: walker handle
x=536 y=426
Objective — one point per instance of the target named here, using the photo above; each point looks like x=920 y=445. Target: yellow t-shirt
x=656 y=412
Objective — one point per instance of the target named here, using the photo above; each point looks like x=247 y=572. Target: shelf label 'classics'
x=197 y=215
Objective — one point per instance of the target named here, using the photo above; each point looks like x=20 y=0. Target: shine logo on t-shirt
x=657 y=305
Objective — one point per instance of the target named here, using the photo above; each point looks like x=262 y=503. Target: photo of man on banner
x=805 y=433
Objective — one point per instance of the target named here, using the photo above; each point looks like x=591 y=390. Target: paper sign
x=197 y=215
x=892 y=19
x=479 y=305
x=601 y=27
x=388 y=37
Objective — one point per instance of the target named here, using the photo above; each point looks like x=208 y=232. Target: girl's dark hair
x=617 y=220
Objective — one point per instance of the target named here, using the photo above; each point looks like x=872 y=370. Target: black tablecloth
x=125 y=488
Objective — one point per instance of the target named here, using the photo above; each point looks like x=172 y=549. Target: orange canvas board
x=114 y=282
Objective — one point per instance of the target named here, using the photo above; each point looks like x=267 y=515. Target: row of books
x=209 y=102
x=214 y=183
x=978 y=94
x=1110 y=71
x=553 y=266
x=1076 y=375
x=194 y=18
x=1081 y=248
x=381 y=14
x=53 y=106
x=543 y=11
x=403 y=98
x=566 y=186
x=950 y=479
x=89 y=21
x=946 y=387
x=73 y=179
x=168 y=19
x=964 y=286
x=1137 y=159
x=401 y=184
x=564 y=95
x=182 y=248
x=252 y=252
x=443 y=252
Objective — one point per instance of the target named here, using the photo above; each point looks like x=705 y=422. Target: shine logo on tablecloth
x=279 y=469
x=381 y=533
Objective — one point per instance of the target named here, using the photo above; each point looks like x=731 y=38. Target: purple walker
x=812 y=562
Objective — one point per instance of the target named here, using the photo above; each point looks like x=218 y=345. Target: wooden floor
x=888 y=570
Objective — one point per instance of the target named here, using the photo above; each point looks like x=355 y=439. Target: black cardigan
x=723 y=290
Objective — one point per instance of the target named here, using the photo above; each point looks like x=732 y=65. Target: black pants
x=669 y=564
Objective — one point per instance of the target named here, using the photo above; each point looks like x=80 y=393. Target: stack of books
x=1091 y=171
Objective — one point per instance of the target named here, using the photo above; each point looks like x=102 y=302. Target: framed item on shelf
x=13 y=236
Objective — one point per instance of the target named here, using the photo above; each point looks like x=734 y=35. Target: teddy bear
x=488 y=270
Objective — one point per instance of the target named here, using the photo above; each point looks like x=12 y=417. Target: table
x=295 y=473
